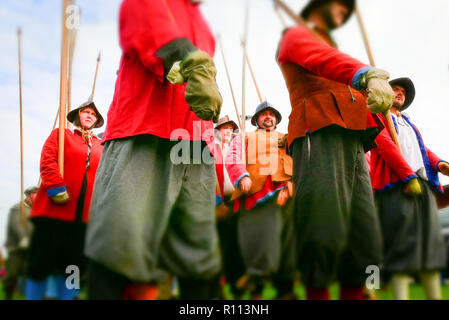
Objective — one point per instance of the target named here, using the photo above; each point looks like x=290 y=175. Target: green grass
x=416 y=293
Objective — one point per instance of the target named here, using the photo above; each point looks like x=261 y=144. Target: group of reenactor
x=176 y=196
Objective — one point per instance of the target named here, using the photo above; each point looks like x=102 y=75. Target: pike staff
x=244 y=42
x=229 y=80
x=72 y=35
x=22 y=206
x=369 y=52
x=63 y=87
x=91 y=98
x=253 y=77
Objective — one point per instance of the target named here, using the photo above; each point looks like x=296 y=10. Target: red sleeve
x=300 y=46
x=391 y=154
x=51 y=177
x=146 y=26
x=234 y=164
x=434 y=159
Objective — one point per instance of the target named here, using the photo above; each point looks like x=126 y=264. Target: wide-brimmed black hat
x=313 y=4
x=409 y=88
x=262 y=107
x=72 y=115
x=225 y=120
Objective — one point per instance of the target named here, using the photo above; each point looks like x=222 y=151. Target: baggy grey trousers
x=336 y=223
x=413 y=239
x=149 y=214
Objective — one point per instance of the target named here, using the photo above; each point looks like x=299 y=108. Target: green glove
x=60 y=198
x=202 y=95
x=380 y=94
x=413 y=188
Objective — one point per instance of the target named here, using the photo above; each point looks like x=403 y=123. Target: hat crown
x=262 y=107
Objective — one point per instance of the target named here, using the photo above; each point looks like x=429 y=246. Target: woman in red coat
x=61 y=209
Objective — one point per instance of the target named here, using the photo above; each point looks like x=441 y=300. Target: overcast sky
x=408 y=38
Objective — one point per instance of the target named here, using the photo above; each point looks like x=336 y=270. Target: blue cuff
x=236 y=184
x=356 y=79
x=410 y=178
x=54 y=191
x=438 y=170
x=218 y=200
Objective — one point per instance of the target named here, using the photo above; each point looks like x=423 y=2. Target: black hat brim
x=313 y=4
x=409 y=88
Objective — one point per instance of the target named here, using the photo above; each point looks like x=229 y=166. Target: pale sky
x=409 y=38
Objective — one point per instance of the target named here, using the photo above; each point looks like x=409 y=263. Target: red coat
x=317 y=77
x=145 y=103
x=388 y=167
x=75 y=156
x=300 y=46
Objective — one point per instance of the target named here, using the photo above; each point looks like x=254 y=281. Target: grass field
x=416 y=293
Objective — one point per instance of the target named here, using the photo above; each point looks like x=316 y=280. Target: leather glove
x=60 y=198
x=198 y=70
x=380 y=94
x=413 y=188
x=443 y=167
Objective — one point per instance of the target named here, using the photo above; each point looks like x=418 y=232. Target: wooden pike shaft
x=300 y=21
x=364 y=36
x=63 y=88
x=369 y=52
x=229 y=80
x=254 y=78
x=245 y=38
x=95 y=77
x=72 y=42
x=281 y=18
x=22 y=205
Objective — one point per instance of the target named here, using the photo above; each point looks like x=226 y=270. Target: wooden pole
x=229 y=80
x=364 y=36
x=281 y=18
x=63 y=87
x=254 y=78
x=22 y=205
x=300 y=21
x=369 y=52
x=72 y=42
x=91 y=98
x=244 y=43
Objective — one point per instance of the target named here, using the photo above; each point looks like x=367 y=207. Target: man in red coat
x=61 y=209
x=329 y=131
x=153 y=203
x=404 y=181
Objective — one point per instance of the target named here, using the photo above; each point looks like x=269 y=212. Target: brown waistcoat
x=266 y=156
x=317 y=103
